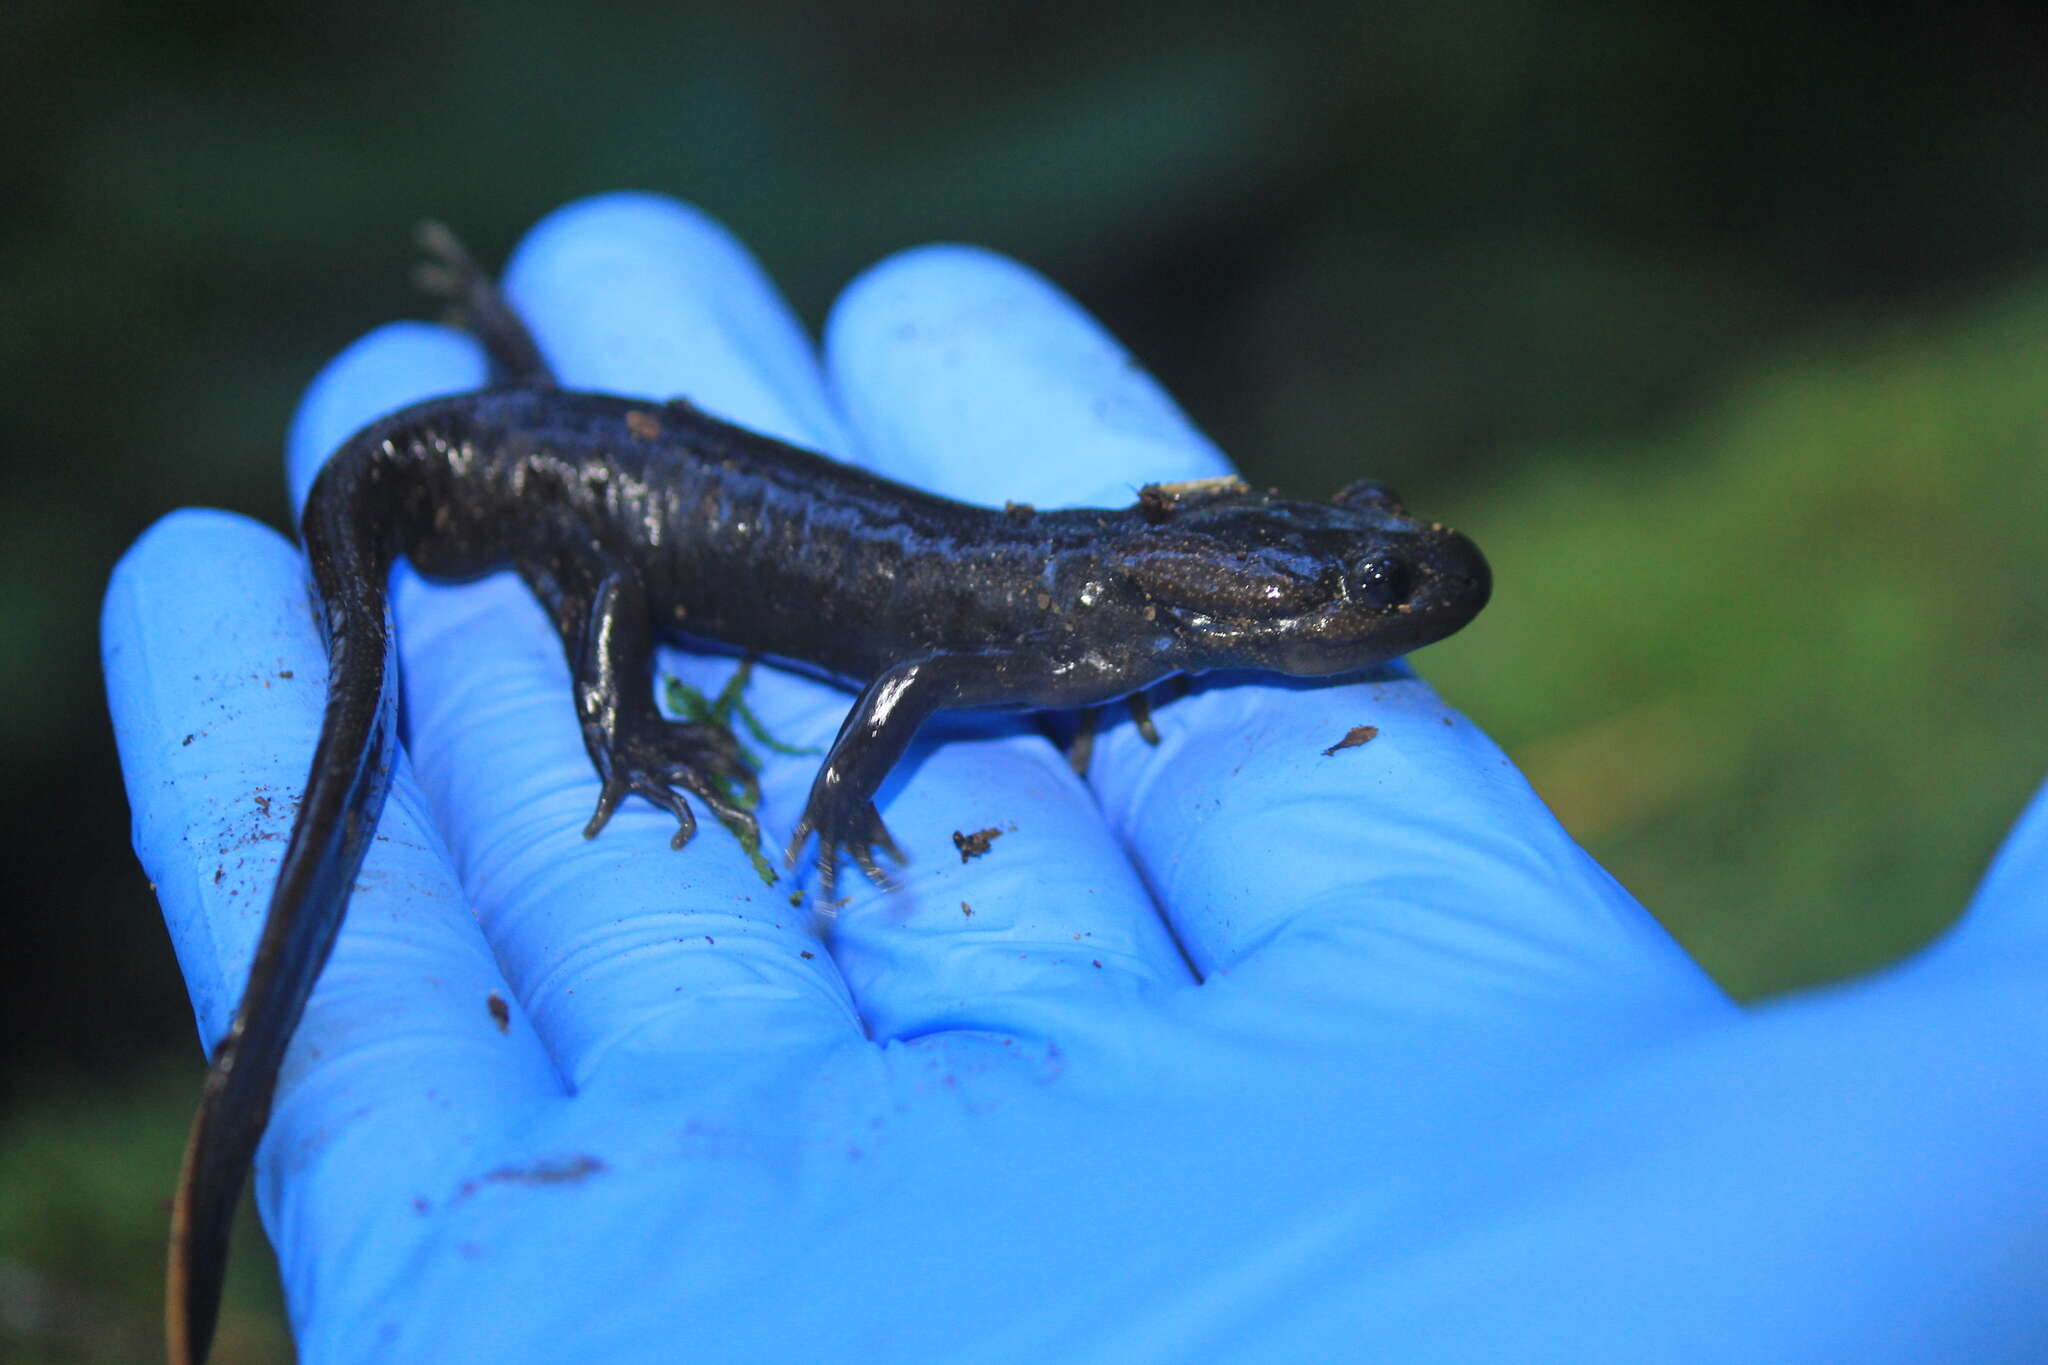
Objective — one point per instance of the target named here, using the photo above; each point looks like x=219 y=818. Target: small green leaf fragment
x=686 y=701
x=768 y=741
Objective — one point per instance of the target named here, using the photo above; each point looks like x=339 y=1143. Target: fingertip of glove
x=175 y=560
x=916 y=296
x=624 y=224
x=973 y=374
x=179 y=540
x=936 y=278
x=641 y=294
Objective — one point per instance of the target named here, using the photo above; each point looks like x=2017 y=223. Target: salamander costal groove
x=629 y=519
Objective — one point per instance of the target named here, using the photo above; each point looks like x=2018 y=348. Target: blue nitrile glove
x=1446 y=1091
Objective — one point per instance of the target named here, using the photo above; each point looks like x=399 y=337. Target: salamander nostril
x=1384 y=583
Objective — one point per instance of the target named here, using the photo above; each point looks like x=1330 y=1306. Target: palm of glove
x=1446 y=1092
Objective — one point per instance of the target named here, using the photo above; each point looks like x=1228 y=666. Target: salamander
x=630 y=519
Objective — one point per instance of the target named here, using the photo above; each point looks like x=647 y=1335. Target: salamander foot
x=661 y=759
x=1082 y=747
x=841 y=824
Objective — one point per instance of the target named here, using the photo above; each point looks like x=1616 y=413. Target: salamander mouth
x=1459 y=579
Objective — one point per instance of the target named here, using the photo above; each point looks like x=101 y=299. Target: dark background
x=1721 y=327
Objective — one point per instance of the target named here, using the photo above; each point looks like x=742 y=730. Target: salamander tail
x=337 y=816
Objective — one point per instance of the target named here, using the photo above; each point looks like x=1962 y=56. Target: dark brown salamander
x=628 y=518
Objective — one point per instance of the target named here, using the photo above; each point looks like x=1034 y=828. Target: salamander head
x=1304 y=588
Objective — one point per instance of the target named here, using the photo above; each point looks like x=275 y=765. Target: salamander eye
x=1370 y=493
x=1382 y=583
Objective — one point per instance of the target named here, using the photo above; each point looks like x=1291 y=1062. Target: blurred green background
x=1721 y=325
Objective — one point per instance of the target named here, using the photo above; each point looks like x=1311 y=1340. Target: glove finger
x=968 y=374
x=965 y=373
x=216 y=677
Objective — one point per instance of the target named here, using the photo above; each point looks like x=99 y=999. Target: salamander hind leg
x=449 y=273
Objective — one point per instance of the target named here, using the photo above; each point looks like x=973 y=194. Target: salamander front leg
x=841 y=810
x=599 y=608
x=639 y=752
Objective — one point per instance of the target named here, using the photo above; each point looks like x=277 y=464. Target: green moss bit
x=730 y=703
x=691 y=704
x=750 y=844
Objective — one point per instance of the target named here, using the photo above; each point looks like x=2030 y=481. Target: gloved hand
x=1445 y=1091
